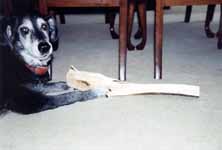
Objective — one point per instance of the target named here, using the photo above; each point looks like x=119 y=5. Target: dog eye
x=24 y=30
x=44 y=27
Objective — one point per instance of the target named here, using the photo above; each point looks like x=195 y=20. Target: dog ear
x=6 y=32
x=53 y=32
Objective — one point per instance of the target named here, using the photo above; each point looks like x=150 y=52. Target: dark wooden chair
x=139 y=6
x=158 y=34
x=188 y=14
x=121 y=4
x=208 y=20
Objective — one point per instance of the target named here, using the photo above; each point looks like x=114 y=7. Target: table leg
x=123 y=39
x=158 y=40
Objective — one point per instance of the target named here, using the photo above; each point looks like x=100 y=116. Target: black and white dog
x=27 y=45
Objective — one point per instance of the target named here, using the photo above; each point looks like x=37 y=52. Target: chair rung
x=83 y=3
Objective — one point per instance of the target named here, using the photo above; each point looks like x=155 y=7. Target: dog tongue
x=38 y=70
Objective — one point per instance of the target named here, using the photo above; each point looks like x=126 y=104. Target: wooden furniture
x=158 y=31
x=208 y=20
x=121 y=4
x=140 y=7
x=133 y=5
x=210 y=12
x=188 y=14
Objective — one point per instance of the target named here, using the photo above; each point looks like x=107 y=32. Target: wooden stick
x=171 y=89
x=83 y=81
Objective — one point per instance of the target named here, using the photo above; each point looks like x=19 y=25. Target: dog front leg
x=55 y=101
x=41 y=97
x=49 y=87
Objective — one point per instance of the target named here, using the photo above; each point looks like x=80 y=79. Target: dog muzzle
x=40 y=70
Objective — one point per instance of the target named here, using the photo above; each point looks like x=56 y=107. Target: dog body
x=27 y=45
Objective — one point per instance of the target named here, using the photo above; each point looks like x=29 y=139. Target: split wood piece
x=83 y=81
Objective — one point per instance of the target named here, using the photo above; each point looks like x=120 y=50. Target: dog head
x=32 y=39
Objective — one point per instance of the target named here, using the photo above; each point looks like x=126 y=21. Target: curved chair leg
x=188 y=14
x=209 y=18
x=142 y=19
x=219 y=33
x=138 y=34
x=112 y=16
x=131 y=10
x=62 y=18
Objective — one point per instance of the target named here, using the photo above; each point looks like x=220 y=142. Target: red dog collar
x=38 y=70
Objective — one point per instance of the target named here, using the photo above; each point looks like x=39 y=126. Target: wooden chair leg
x=112 y=16
x=208 y=20
x=158 y=40
x=131 y=11
x=219 y=33
x=123 y=40
x=62 y=18
x=142 y=19
x=188 y=14
x=138 y=34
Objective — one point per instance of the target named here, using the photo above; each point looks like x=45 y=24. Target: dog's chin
x=37 y=65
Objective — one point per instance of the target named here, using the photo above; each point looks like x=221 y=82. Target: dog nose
x=44 y=47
